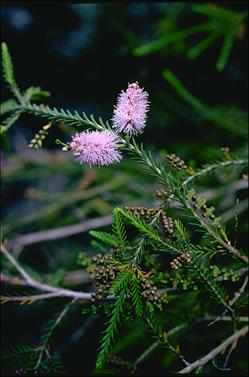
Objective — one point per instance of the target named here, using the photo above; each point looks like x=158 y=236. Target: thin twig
x=232 y=301
x=230 y=213
x=43 y=348
x=232 y=250
x=65 y=200
x=11 y=279
x=154 y=345
x=57 y=233
x=205 y=359
x=239 y=292
x=44 y=287
x=213 y=167
x=29 y=299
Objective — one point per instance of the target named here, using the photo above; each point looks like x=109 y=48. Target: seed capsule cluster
x=207 y=212
x=151 y=293
x=104 y=273
x=180 y=260
x=176 y=162
x=115 y=360
x=168 y=226
x=160 y=193
x=143 y=212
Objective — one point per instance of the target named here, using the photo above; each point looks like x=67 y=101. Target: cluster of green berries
x=199 y=203
x=223 y=274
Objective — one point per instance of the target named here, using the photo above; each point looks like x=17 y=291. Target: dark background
x=79 y=52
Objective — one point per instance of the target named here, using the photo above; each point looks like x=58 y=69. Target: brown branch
x=211 y=355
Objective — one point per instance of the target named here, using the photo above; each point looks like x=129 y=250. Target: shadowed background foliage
x=85 y=54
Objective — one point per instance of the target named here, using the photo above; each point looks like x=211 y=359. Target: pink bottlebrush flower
x=130 y=113
x=95 y=147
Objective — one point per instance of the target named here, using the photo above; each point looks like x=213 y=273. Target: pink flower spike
x=95 y=147
x=130 y=113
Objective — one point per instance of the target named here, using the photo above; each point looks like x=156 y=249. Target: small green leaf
x=7 y=65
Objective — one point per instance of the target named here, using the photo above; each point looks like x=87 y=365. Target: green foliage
x=119 y=287
x=7 y=65
x=154 y=166
x=221 y=23
x=136 y=296
x=199 y=262
x=35 y=93
x=9 y=121
x=105 y=237
x=119 y=230
x=25 y=358
x=210 y=114
x=140 y=224
x=22 y=356
x=53 y=324
x=243 y=301
x=22 y=351
x=143 y=262
x=181 y=230
x=211 y=167
x=117 y=238
x=63 y=116
x=49 y=366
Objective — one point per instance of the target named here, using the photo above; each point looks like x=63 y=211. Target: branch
x=44 y=347
x=209 y=168
x=44 y=287
x=62 y=232
x=158 y=170
x=67 y=199
x=167 y=180
x=232 y=250
x=232 y=301
x=11 y=279
x=239 y=292
x=29 y=299
x=156 y=344
x=205 y=359
x=61 y=116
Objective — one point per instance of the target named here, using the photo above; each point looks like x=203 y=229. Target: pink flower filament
x=95 y=147
x=130 y=113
